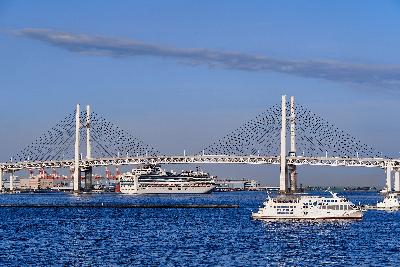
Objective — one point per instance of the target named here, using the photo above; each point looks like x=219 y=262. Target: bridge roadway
x=204 y=159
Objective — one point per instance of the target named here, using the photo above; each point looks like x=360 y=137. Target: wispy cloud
x=380 y=76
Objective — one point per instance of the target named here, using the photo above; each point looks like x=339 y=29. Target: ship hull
x=357 y=216
x=170 y=190
x=382 y=208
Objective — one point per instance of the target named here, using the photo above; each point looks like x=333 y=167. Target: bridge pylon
x=389 y=170
x=283 y=179
x=390 y=187
x=11 y=181
x=77 y=170
x=397 y=181
x=88 y=171
x=288 y=174
x=292 y=153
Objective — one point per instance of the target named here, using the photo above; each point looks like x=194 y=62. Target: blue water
x=188 y=237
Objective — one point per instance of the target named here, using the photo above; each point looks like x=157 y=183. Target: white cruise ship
x=308 y=207
x=154 y=180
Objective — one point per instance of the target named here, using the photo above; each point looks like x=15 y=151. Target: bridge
x=263 y=140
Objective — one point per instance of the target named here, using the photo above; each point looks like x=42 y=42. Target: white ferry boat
x=308 y=207
x=154 y=180
x=391 y=202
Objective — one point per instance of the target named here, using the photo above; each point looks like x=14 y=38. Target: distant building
x=46 y=183
x=62 y=183
x=24 y=184
x=34 y=182
x=237 y=185
x=6 y=183
x=229 y=185
x=251 y=185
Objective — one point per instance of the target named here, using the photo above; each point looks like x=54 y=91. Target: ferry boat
x=150 y=179
x=308 y=207
x=390 y=202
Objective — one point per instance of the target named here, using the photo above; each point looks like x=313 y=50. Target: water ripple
x=188 y=237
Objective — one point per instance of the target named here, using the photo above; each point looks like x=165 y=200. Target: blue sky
x=173 y=104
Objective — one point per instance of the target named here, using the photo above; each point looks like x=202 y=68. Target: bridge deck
x=204 y=159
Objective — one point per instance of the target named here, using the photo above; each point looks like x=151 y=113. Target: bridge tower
x=288 y=174
x=283 y=181
x=88 y=170
x=11 y=181
x=292 y=153
x=77 y=170
x=389 y=169
x=397 y=181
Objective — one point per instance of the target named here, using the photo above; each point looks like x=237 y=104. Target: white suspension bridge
x=249 y=144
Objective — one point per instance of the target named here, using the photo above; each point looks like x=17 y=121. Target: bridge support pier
x=389 y=177
x=88 y=179
x=12 y=181
x=293 y=178
x=1 y=179
x=397 y=181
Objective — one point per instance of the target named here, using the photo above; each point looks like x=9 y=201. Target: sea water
x=188 y=237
